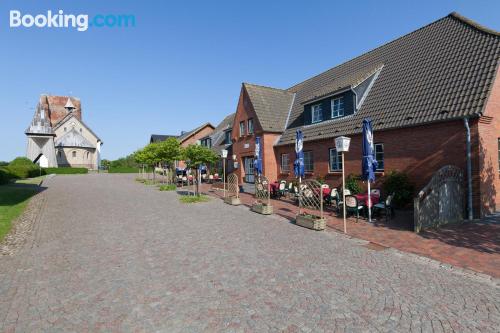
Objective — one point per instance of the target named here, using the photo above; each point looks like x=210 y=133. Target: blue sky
x=183 y=62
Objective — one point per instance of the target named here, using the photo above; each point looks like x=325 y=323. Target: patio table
x=363 y=199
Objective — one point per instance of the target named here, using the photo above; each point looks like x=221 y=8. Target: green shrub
x=169 y=187
x=398 y=183
x=23 y=171
x=3 y=163
x=21 y=161
x=352 y=184
x=5 y=176
x=194 y=198
x=123 y=169
x=66 y=171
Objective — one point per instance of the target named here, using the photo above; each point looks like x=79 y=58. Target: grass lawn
x=194 y=198
x=31 y=181
x=13 y=201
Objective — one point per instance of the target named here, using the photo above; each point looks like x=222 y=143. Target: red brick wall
x=244 y=146
x=489 y=132
x=194 y=138
x=55 y=107
x=419 y=151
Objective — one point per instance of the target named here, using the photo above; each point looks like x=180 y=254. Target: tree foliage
x=196 y=156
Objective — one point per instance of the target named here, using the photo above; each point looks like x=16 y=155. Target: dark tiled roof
x=218 y=135
x=187 y=134
x=271 y=106
x=440 y=72
x=159 y=137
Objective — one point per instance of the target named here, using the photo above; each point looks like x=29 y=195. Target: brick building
x=420 y=90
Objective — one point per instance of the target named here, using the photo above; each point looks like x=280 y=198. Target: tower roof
x=69 y=104
x=40 y=124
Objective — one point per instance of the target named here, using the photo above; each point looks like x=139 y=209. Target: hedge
x=5 y=177
x=22 y=171
x=66 y=171
x=123 y=170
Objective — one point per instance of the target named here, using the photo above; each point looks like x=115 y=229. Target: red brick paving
x=474 y=246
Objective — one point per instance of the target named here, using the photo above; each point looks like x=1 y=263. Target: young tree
x=196 y=156
x=169 y=151
x=152 y=156
x=140 y=158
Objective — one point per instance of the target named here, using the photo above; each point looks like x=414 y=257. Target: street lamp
x=342 y=145
x=224 y=156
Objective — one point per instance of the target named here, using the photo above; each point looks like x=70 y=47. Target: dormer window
x=338 y=107
x=316 y=113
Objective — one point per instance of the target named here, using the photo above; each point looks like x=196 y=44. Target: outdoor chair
x=376 y=192
x=184 y=180
x=352 y=206
x=386 y=207
x=216 y=177
x=333 y=198
x=347 y=192
x=290 y=189
x=211 y=179
x=281 y=189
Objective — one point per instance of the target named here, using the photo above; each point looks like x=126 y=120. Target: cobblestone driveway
x=110 y=254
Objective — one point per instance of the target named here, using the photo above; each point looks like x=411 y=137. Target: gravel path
x=110 y=254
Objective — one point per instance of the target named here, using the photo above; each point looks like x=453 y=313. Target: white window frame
x=285 y=167
x=311 y=160
x=338 y=156
x=250 y=128
x=313 y=108
x=336 y=113
x=379 y=144
x=242 y=128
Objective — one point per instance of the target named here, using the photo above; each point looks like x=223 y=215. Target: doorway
x=248 y=169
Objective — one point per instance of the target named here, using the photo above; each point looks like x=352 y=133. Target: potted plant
x=310 y=221
x=263 y=208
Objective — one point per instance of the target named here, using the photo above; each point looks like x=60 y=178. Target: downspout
x=469 y=171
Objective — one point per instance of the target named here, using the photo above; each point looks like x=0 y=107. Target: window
x=337 y=107
x=73 y=153
x=207 y=142
x=308 y=161
x=250 y=126
x=316 y=113
x=59 y=153
x=88 y=155
x=285 y=163
x=227 y=140
x=335 y=160
x=65 y=129
x=379 y=155
x=242 y=128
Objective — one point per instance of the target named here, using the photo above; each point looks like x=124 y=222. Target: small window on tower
x=80 y=130
x=65 y=129
x=73 y=153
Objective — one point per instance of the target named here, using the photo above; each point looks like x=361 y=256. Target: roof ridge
x=453 y=15
x=266 y=87
x=474 y=24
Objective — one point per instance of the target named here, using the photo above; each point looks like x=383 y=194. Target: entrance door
x=249 y=170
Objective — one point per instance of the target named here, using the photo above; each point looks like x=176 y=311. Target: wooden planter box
x=311 y=222
x=232 y=201
x=262 y=209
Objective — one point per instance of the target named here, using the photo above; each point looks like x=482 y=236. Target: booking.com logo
x=80 y=22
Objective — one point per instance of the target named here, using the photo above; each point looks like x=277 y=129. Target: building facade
x=58 y=137
x=425 y=92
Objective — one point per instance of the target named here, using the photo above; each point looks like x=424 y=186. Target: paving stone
x=110 y=254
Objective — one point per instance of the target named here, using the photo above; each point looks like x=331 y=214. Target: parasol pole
x=369 y=203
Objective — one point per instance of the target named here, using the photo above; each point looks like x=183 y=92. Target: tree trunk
x=197 y=182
